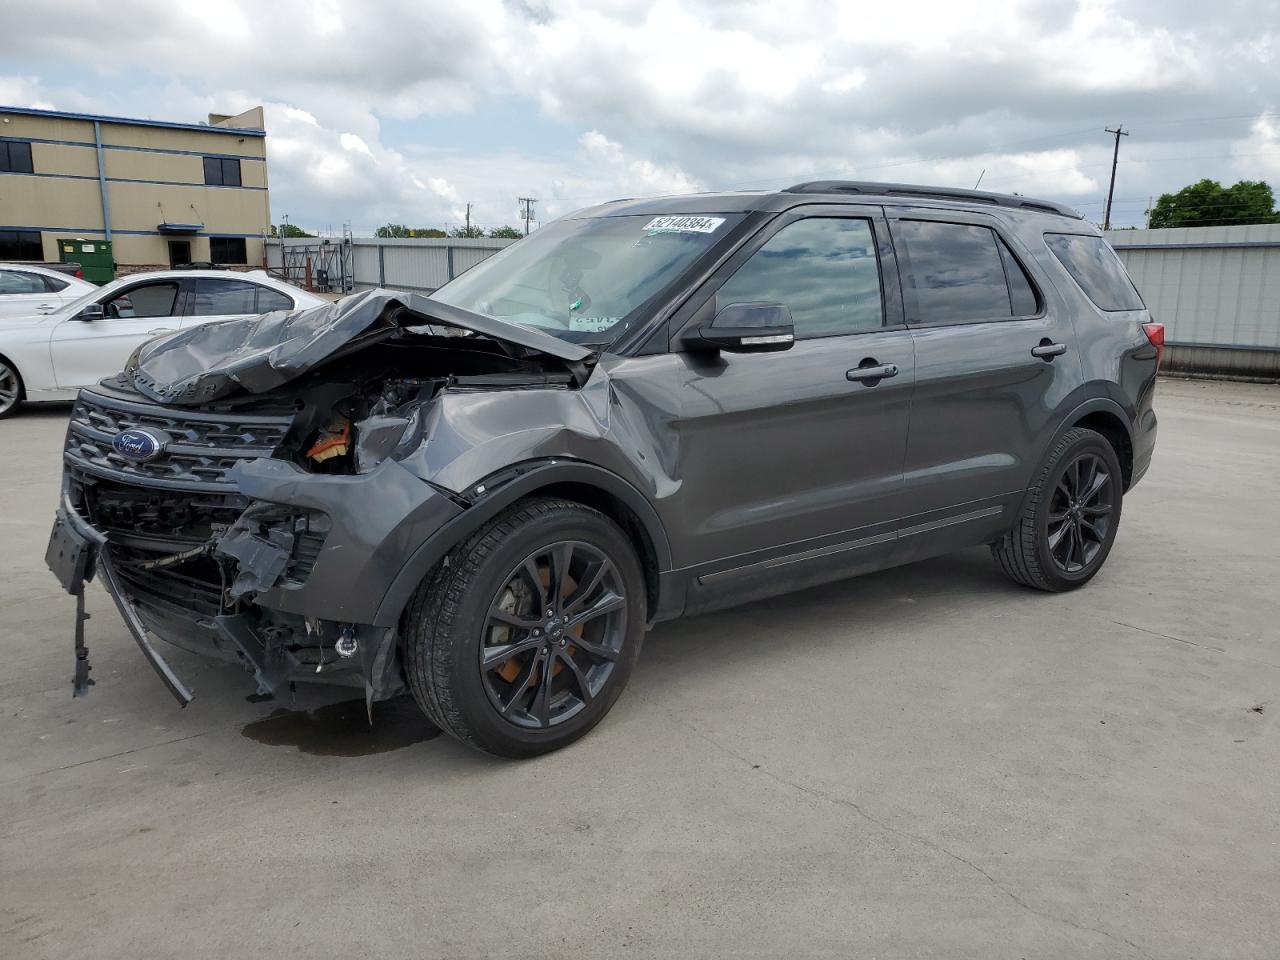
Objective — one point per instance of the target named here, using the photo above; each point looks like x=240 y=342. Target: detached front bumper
x=283 y=625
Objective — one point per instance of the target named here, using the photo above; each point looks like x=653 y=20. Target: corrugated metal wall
x=1216 y=290
x=409 y=264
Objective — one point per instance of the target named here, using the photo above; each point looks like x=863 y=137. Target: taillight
x=1155 y=333
x=79 y=274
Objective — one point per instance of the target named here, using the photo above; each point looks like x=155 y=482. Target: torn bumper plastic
x=282 y=620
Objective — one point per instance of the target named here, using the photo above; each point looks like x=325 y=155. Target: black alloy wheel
x=1080 y=512
x=553 y=635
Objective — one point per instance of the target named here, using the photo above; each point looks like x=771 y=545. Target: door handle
x=46 y=308
x=872 y=371
x=159 y=330
x=1048 y=349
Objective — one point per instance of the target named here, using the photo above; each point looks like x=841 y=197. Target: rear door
x=791 y=462
x=995 y=356
x=85 y=351
x=26 y=294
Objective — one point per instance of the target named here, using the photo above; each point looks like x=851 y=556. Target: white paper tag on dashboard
x=672 y=224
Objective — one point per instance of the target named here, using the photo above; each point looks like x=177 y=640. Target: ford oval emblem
x=137 y=445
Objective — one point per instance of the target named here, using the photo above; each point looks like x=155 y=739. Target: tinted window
x=955 y=271
x=150 y=300
x=54 y=284
x=1094 y=265
x=216 y=298
x=269 y=300
x=20 y=245
x=227 y=250
x=12 y=282
x=15 y=157
x=824 y=270
x=1022 y=295
x=221 y=172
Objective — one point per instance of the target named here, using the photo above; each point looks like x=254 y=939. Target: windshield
x=580 y=279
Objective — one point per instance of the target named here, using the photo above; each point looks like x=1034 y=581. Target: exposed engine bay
x=208 y=538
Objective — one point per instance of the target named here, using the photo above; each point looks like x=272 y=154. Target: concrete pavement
x=924 y=762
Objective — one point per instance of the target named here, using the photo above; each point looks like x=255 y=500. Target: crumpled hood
x=257 y=354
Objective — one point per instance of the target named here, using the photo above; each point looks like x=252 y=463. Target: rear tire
x=524 y=637
x=12 y=391
x=1070 y=517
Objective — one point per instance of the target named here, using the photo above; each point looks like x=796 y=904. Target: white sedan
x=48 y=358
x=27 y=289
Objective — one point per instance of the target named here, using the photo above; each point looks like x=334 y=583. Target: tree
x=1210 y=204
x=505 y=233
x=397 y=230
x=471 y=233
x=288 y=230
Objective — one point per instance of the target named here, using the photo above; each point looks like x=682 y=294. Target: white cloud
x=672 y=96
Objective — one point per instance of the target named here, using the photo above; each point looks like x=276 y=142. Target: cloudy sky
x=380 y=111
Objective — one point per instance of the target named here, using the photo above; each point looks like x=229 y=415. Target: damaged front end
x=241 y=490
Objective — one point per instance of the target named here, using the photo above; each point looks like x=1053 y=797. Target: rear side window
x=15 y=282
x=961 y=273
x=269 y=300
x=1096 y=268
x=220 y=298
x=824 y=270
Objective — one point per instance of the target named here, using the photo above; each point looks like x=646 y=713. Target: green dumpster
x=94 y=257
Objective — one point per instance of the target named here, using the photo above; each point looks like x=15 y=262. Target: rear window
x=1096 y=268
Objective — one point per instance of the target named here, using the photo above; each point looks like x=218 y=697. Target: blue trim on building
x=130 y=233
x=123 y=146
x=160 y=183
x=127 y=122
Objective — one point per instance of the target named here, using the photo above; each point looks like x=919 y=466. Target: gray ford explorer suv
x=645 y=410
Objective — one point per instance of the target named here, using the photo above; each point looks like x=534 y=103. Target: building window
x=227 y=250
x=15 y=157
x=21 y=245
x=221 y=171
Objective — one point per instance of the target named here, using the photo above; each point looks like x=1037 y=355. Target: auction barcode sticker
x=683 y=224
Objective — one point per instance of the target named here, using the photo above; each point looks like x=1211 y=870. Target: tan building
x=162 y=193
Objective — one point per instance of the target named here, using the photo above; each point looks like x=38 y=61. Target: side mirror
x=745 y=328
x=90 y=313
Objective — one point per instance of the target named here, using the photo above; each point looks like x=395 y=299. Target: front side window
x=14 y=282
x=579 y=279
x=823 y=269
x=228 y=250
x=961 y=273
x=1096 y=268
x=220 y=298
x=222 y=171
x=15 y=157
x=148 y=300
x=21 y=245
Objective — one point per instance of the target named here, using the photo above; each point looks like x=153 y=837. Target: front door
x=791 y=462
x=179 y=253
x=85 y=351
x=995 y=356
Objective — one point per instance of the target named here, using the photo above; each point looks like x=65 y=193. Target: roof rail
x=933 y=193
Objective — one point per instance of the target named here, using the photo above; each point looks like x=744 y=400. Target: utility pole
x=468 y=219
x=527 y=211
x=1119 y=131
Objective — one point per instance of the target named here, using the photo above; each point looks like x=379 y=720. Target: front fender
x=500 y=492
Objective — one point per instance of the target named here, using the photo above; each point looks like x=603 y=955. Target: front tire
x=1070 y=518
x=524 y=637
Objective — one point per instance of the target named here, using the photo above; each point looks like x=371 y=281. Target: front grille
x=200 y=448
x=184 y=498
